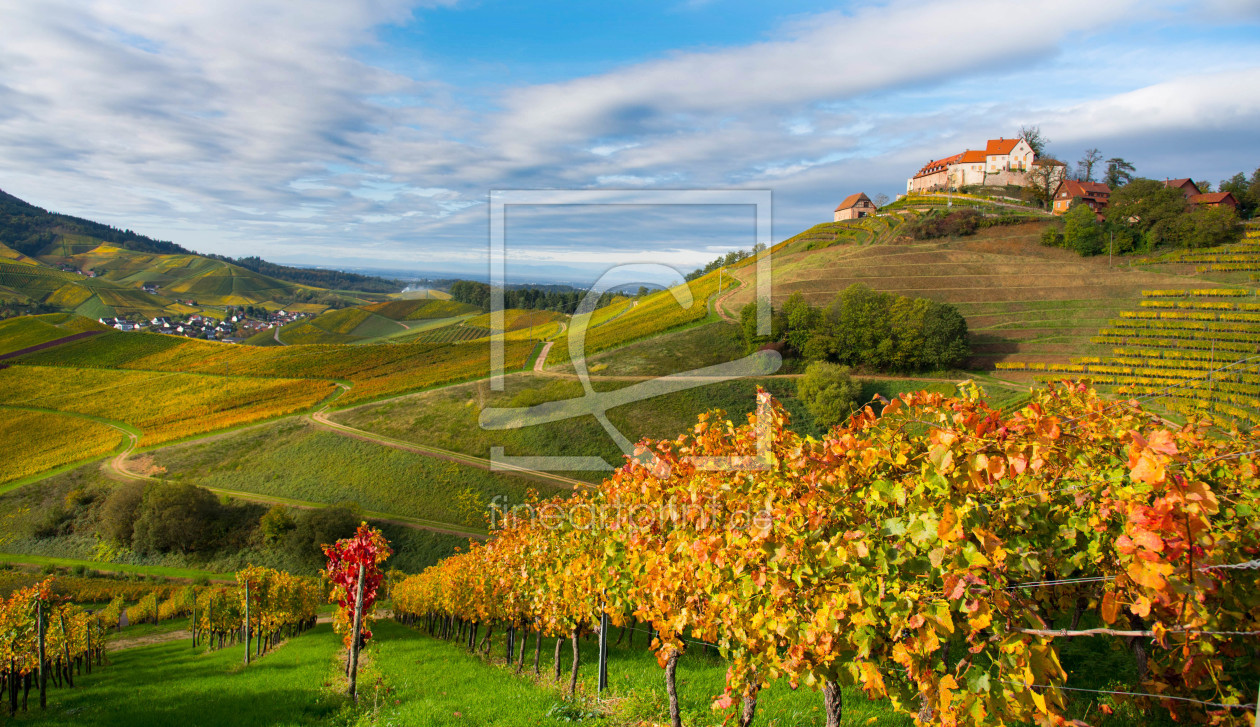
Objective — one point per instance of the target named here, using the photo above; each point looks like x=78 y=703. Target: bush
x=175 y=517
x=828 y=393
x=118 y=516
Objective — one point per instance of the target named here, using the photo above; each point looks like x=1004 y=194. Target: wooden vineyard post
x=43 y=673
x=194 y=626
x=247 y=623
x=603 y=652
x=65 y=645
x=354 y=634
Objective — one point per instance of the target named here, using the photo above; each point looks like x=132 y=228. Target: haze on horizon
x=368 y=133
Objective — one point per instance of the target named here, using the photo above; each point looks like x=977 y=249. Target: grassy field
x=146 y=570
x=691 y=348
x=624 y=322
x=41 y=441
x=164 y=406
x=25 y=331
x=449 y=418
x=166 y=684
x=299 y=460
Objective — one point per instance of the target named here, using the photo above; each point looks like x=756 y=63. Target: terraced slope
x=1021 y=300
x=1194 y=350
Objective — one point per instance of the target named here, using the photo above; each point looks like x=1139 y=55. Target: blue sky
x=370 y=132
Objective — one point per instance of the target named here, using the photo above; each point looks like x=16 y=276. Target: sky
x=370 y=133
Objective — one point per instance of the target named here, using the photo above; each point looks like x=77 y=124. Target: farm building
x=1215 y=199
x=855 y=206
x=1094 y=194
x=1186 y=185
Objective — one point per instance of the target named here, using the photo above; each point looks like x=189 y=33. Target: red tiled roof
x=852 y=200
x=1178 y=182
x=1087 y=190
x=937 y=165
x=1212 y=198
x=1000 y=146
x=972 y=157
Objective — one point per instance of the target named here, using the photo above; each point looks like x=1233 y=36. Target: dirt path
x=276 y=335
x=320 y=418
x=125 y=642
x=541 y=361
x=48 y=344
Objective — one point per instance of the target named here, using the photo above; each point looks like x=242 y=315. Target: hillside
x=58 y=262
x=35 y=231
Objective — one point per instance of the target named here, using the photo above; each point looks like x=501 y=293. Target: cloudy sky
x=370 y=132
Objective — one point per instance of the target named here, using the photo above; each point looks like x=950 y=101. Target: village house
x=1094 y=194
x=1215 y=199
x=855 y=206
x=1186 y=185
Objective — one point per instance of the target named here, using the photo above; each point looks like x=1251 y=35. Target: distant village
x=234 y=327
x=1013 y=165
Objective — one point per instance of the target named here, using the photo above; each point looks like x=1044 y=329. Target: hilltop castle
x=1001 y=162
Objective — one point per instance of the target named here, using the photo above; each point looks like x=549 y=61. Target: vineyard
x=656 y=313
x=454 y=334
x=164 y=406
x=376 y=370
x=25 y=331
x=1195 y=349
x=45 y=637
x=939 y=557
x=1241 y=257
x=419 y=310
x=41 y=441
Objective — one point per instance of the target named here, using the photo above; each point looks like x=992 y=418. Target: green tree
x=748 y=326
x=276 y=524
x=175 y=516
x=1081 y=231
x=828 y=392
x=1119 y=173
x=1247 y=192
x=800 y=321
x=316 y=528
x=1149 y=208
x=118 y=514
x=1209 y=227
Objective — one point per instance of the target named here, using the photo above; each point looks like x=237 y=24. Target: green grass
x=297 y=460
x=438 y=683
x=692 y=348
x=25 y=331
x=167 y=684
x=148 y=570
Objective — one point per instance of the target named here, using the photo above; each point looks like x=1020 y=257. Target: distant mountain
x=35 y=231
x=318 y=278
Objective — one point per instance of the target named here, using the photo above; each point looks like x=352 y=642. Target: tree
x=880 y=200
x=1247 y=192
x=175 y=516
x=1119 y=173
x=276 y=524
x=1209 y=227
x=1151 y=209
x=1044 y=179
x=1081 y=231
x=118 y=515
x=828 y=393
x=1085 y=167
x=801 y=321
x=314 y=528
x=1033 y=137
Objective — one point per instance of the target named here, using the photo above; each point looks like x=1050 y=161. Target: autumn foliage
x=368 y=548
x=924 y=554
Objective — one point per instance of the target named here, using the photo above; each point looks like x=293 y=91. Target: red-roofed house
x=1186 y=185
x=1008 y=155
x=934 y=175
x=1094 y=194
x=1214 y=199
x=969 y=169
x=855 y=206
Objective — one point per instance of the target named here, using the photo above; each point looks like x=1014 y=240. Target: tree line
x=862 y=327
x=560 y=298
x=1140 y=216
x=723 y=261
